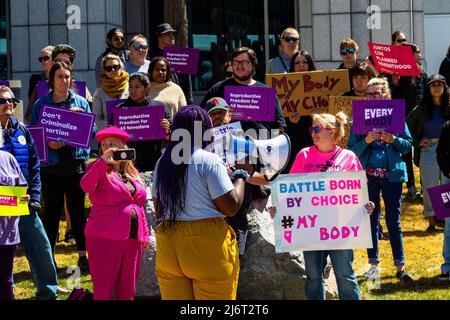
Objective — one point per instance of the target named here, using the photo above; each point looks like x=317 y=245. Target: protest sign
x=63 y=125
x=440 y=200
x=38 y=134
x=344 y=104
x=79 y=88
x=389 y=59
x=219 y=145
x=4 y=83
x=10 y=204
x=379 y=115
x=110 y=105
x=321 y=211
x=308 y=92
x=251 y=103
x=182 y=60
x=141 y=123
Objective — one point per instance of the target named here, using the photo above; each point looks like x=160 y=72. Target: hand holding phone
x=124 y=154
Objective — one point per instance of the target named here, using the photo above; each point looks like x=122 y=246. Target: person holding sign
x=10 y=175
x=116 y=231
x=147 y=152
x=66 y=164
x=425 y=123
x=114 y=86
x=326 y=155
x=290 y=43
x=162 y=89
x=34 y=241
x=443 y=158
x=197 y=256
x=380 y=154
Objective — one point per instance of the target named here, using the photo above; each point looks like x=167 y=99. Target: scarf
x=115 y=87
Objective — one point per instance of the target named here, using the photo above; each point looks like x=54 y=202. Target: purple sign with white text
x=440 y=199
x=378 y=115
x=182 y=60
x=62 y=125
x=4 y=83
x=79 y=88
x=38 y=134
x=110 y=105
x=141 y=123
x=251 y=103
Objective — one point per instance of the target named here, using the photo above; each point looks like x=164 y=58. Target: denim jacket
x=72 y=101
x=394 y=151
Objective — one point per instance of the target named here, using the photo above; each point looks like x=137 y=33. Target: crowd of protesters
x=202 y=205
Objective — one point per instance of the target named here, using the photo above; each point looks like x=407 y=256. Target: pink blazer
x=112 y=205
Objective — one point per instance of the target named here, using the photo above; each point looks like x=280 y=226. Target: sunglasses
x=229 y=74
x=349 y=50
x=317 y=129
x=46 y=58
x=10 y=100
x=112 y=68
x=119 y=39
x=140 y=46
x=400 y=40
x=291 y=39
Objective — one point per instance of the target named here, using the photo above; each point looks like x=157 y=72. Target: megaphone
x=273 y=154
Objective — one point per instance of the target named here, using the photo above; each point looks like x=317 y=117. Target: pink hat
x=112 y=131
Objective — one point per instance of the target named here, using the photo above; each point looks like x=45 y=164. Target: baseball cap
x=216 y=103
x=436 y=77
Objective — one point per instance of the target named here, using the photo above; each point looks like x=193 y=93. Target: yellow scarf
x=115 y=87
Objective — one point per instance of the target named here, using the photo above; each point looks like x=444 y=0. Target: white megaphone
x=272 y=154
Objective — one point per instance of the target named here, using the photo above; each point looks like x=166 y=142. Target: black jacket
x=443 y=150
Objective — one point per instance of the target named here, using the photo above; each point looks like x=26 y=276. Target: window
x=3 y=41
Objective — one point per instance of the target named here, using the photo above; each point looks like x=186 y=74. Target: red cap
x=112 y=131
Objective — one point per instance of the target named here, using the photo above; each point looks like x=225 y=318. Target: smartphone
x=124 y=154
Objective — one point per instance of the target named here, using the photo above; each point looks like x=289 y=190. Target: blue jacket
x=72 y=101
x=394 y=151
x=19 y=142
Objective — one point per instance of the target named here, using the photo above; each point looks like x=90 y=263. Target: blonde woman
x=326 y=155
x=290 y=42
x=114 y=86
x=380 y=153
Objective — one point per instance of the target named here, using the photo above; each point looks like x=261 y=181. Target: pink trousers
x=114 y=266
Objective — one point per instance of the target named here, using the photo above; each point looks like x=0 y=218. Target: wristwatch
x=240 y=173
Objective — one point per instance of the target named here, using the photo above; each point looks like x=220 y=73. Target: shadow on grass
x=421 y=234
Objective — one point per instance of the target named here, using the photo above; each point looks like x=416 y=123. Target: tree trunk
x=175 y=13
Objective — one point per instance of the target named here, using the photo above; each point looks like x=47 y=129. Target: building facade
x=216 y=27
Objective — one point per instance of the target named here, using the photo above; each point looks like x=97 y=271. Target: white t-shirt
x=207 y=179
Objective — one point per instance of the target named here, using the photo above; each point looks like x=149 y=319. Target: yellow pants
x=197 y=260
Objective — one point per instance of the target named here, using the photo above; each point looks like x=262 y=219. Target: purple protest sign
x=182 y=60
x=110 y=105
x=378 y=115
x=38 y=134
x=73 y=128
x=141 y=123
x=4 y=83
x=79 y=88
x=440 y=200
x=251 y=103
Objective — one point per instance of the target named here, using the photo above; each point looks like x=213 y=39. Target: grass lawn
x=423 y=254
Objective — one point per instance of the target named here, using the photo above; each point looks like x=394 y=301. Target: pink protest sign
x=321 y=211
x=394 y=59
x=9 y=201
x=141 y=123
x=440 y=200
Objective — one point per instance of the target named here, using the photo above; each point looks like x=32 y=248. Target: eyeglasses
x=349 y=50
x=229 y=74
x=46 y=58
x=243 y=63
x=375 y=94
x=121 y=39
x=317 y=129
x=112 y=68
x=400 y=40
x=140 y=46
x=291 y=39
x=9 y=100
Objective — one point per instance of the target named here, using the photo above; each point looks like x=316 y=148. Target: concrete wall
x=324 y=23
x=38 y=23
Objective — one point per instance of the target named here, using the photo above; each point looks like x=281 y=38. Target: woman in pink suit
x=116 y=231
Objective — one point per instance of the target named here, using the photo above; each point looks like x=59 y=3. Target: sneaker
x=68 y=237
x=404 y=277
x=431 y=229
x=83 y=264
x=372 y=273
x=444 y=276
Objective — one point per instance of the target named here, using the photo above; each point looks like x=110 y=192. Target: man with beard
x=244 y=62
